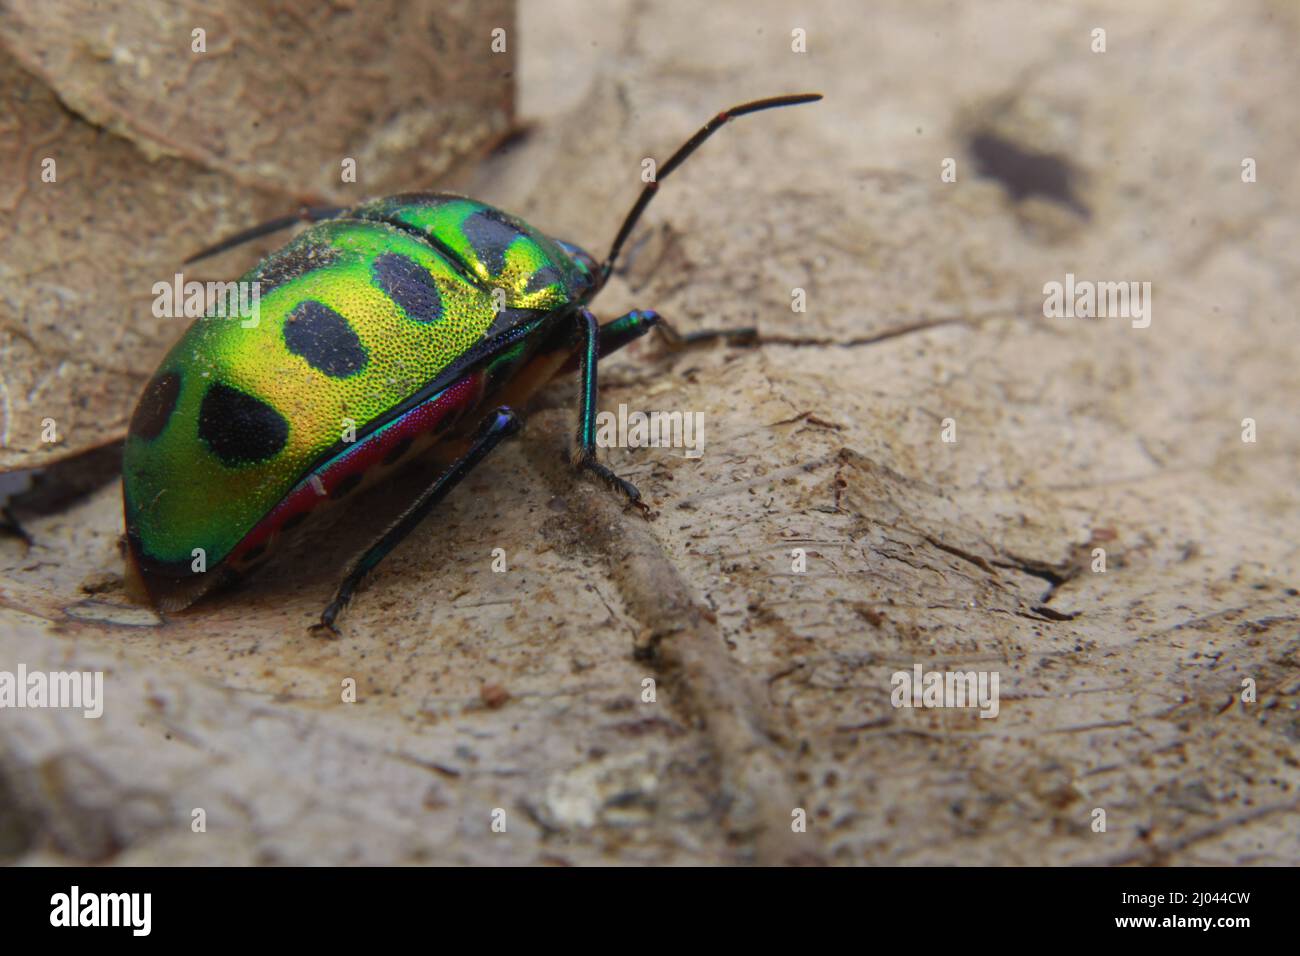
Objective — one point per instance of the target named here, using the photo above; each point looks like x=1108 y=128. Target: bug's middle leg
x=500 y=424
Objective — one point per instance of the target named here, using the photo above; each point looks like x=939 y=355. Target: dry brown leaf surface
x=522 y=691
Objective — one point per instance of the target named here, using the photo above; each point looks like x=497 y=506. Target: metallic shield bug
x=419 y=320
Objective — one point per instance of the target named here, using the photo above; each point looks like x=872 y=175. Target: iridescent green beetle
x=407 y=317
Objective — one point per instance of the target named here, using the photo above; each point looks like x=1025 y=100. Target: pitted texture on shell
x=356 y=316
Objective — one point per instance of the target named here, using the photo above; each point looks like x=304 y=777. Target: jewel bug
x=423 y=319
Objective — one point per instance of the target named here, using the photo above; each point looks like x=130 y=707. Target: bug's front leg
x=590 y=339
x=618 y=332
x=595 y=342
x=500 y=424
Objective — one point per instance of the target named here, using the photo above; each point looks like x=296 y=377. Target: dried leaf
x=122 y=150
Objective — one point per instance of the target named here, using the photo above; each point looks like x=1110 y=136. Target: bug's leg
x=500 y=424
x=305 y=214
x=584 y=452
x=10 y=525
x=618 y=332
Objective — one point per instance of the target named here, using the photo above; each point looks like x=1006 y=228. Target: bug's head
x=587 y=267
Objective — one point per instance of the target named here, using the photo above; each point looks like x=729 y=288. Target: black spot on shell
x=397 y=451
x=254 y=553
x=292 y=263
x=156 y=406
x=543 y=277
x=490 y=238
x=345 y=486
x=238 y=428
x=410 y=285
x=323 y=337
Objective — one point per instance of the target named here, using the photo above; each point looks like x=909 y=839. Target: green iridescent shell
x=355 y=316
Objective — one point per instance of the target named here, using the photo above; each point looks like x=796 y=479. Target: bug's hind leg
x=500 y=424
x=305 y=214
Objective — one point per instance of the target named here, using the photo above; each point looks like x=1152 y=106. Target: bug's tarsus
x=588 y=462
x=10 y=525
x=679 y=157
x=304 y=214
x=498 y=425
x=325 y=626
x=678 y=341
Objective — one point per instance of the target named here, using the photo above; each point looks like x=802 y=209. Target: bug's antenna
x=679 y=157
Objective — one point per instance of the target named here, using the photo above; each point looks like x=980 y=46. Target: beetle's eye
x=585 y=261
